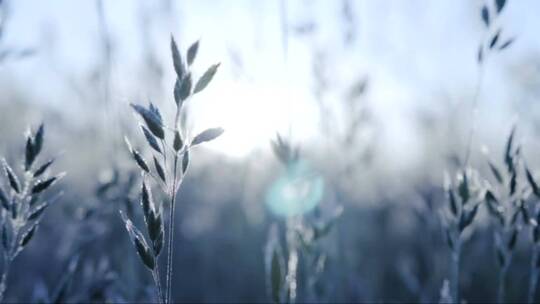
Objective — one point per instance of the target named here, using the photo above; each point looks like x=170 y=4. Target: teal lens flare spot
x=296 y=192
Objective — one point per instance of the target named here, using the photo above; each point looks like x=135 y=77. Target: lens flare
x=297 y=191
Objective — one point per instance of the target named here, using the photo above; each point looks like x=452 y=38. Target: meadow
x=149 y=156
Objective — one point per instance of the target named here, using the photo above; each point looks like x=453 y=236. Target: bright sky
x=413 y=51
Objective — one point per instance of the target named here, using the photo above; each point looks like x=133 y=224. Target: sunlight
x=252 y=114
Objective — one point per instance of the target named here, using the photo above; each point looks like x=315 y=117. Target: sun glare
x=252 y=114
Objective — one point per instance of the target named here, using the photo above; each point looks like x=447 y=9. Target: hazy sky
x=414 y=52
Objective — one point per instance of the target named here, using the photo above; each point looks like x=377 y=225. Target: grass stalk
x=292 y=263
x=5 y=274
x=21 y=208
x=456 y=255
x=157 y=281
x=154 y=130
x=170 y=249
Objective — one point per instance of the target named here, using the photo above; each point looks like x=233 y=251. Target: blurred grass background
x=377 y=94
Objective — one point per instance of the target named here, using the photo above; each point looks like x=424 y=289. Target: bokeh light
x=297 y=191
